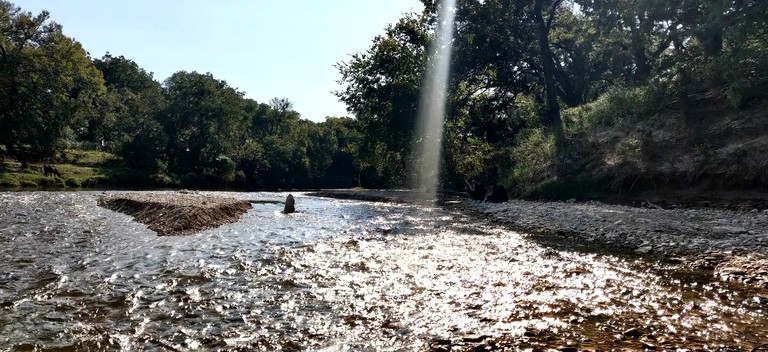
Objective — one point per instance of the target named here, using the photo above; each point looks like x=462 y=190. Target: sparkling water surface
x=336 y=276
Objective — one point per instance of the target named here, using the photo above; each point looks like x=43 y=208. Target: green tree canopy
x=47 y=84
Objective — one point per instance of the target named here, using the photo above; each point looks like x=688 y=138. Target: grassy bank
x=79 y=169
x=637 y=143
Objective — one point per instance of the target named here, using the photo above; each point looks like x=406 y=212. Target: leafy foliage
x=47 y=84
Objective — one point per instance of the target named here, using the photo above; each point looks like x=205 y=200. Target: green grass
x=83 y=169
x=89 y=157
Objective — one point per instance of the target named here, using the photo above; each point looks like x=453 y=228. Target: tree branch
x=552 y=13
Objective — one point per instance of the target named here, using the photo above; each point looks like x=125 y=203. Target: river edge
x=730 y=245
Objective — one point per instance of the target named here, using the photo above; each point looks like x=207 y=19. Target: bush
x=222 y=170
x=618 y=105
x=72 y=183
x=9 y=183
x=28 y=184
x=94 y=182
x=163 y=180
x=533 y=156
x=51 y=182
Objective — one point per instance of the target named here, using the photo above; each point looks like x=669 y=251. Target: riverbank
x=732 y=245
x=176 y=213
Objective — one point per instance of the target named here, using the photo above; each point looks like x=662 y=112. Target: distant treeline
x=191 y=130
x=537 y=89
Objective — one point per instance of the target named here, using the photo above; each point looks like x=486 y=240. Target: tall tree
x=548 y=69
x=128 y=114
x=203 y=120
x=47 y=84
x=383 y=91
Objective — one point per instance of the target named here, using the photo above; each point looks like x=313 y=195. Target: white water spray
x=431 y=115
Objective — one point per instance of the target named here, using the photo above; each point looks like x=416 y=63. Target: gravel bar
x=174 y=214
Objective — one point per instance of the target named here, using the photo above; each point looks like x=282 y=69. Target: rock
x=441 y=341
x=498 y=194
x=289 y=205
x=733 y=271
x=476 y=190
x=644 y=250
x=389 y=324
x=569 y=349
x=727 y=230
x=675 y=260
x=648 y=346
x=632 y=333
x=473 y=338
x=529 y=333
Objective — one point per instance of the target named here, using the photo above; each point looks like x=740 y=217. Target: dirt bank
x=172 y=214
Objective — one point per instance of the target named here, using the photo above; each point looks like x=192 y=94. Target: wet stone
x=675 y=260
x=648 y=346
x=644 y=250
x=473 y=338
x=632 y=333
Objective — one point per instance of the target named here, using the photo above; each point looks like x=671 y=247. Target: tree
x=127 y=116
x=47 y=84
x=204 y=120
x=548 y=70
x=383 y=91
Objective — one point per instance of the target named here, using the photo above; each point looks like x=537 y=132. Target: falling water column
x=429 y=129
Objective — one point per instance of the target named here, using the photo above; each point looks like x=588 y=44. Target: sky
x=265 y=48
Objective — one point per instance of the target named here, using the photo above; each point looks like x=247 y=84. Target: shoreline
x=731 y=245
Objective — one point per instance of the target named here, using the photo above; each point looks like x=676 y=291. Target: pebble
x=473 y=338
x=675 y=260
x=648 y=346
x=644 y=250
x=633 y=333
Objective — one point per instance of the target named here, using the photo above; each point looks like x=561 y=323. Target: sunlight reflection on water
x=338 y=275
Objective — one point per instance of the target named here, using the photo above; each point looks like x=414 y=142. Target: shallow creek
x=341 y=276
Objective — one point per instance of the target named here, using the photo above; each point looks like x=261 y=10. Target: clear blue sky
x=266 y=48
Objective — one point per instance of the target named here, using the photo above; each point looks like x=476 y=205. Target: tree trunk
x=548 y=65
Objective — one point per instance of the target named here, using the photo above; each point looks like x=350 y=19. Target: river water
x=339 y=276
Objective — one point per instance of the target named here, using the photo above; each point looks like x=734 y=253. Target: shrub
x=94 y=181
x=533 y=156
x=9 y=183
x=72 y=183
x=618 y=105
x=163 y=180
x=51 y=182
x=28 y=184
